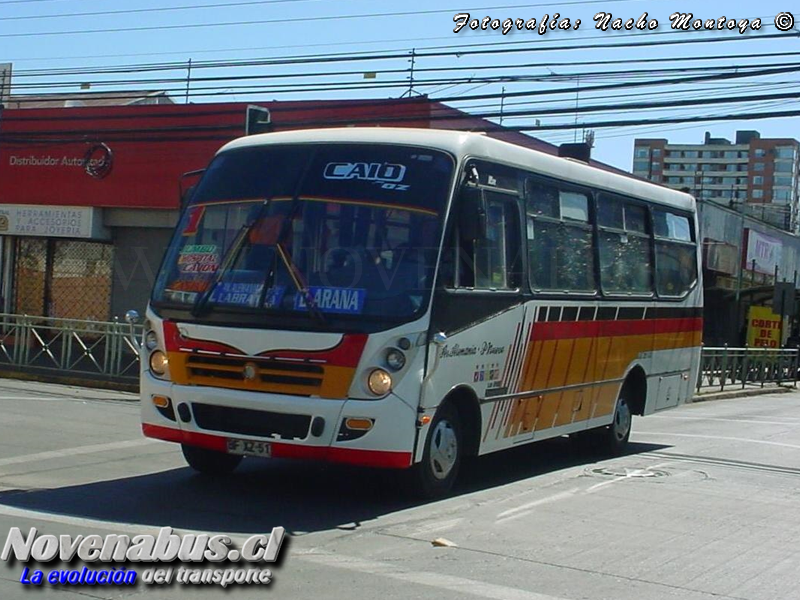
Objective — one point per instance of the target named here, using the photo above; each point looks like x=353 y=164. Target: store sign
x=763 y=253
x=763 y=328
x=50 y=221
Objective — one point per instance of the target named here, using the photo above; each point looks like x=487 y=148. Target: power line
x=149 y=10
x=389 y=55
x=206 y=50
x=314 y=74
x=294 y=19
x=339 y=86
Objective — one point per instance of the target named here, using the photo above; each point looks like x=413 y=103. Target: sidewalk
x=736 y=391
x=22 y=388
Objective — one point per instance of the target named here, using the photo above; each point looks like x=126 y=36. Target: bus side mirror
x=472 y=214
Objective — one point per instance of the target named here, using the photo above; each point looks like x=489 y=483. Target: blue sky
x=316 y=27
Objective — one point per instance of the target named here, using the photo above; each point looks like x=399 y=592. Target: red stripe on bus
x=346 y=353
x=352 y=456
x=585 y=329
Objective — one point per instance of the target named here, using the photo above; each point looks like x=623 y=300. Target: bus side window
x=624 y=247
x=493 y=260
x=497 y=257
x=559 y=232
x=676 y=253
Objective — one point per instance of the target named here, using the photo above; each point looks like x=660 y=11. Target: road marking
x=513 y=513
x=436 y=527
x=726 y=419
x=16 y=460
x=719 y=437
x=440 y=581
x=526 y=509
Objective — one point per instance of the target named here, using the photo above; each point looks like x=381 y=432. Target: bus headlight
x=379 y=382
x=395 y=359
x=158 y=363
x=150 y=340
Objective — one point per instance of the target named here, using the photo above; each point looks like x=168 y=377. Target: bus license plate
x=249 y=448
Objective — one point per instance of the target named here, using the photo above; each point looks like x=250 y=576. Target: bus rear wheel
x=434 y=476
x=614 y=437
x=210 y=462
x=611 y=439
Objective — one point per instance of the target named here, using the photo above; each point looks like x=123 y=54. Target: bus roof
x=462 y=144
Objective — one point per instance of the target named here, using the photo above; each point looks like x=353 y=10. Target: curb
x=741 y=393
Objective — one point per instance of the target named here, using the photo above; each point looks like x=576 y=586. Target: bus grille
x=298 y=378
x=244 y=421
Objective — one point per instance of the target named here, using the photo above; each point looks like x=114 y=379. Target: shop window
x=68 y=279
x=560 y=256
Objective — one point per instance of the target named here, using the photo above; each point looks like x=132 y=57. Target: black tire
x=434 y=476
x=210 y=462
x=613 y=439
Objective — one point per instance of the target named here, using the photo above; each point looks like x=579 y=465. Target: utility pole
x=188 y=79
x=413 y=62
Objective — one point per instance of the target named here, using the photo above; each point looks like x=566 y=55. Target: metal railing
x=103 y=350
x=722 y=367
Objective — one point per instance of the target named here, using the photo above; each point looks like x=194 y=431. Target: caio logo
x=3 y=223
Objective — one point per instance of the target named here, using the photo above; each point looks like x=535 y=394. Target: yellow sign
x=763 y=328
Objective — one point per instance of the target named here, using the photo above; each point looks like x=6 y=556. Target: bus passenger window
x=676 y=254
x=624 y=245
x=496 y=256
x=492 y=262
x=560 y=249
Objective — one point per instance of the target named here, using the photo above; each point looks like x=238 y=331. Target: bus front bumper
x=217 y=415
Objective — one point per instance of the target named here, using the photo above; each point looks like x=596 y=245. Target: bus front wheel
x=444 y=446
x=210 y=462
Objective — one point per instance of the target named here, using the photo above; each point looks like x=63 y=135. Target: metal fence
x=723 y=367
x=70 y=348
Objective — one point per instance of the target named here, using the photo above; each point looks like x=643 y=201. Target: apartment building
x=754 y=175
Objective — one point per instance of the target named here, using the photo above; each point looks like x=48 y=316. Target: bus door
x=480 y=310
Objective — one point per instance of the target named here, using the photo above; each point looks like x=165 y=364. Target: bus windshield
x=321 y=230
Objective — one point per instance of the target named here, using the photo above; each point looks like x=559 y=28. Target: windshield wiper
x=231 y=256
x=294 y=273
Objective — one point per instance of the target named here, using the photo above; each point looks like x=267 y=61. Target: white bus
x=406 y=298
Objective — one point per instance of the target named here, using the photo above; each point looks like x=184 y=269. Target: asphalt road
x=704 y=506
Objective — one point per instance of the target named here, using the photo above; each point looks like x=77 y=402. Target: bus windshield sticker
x=196 y=258
x=333 y=300
x=195 y=216
x=274 y=296
x=237 y=293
